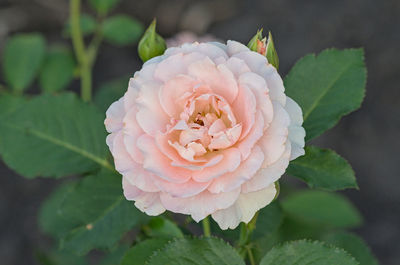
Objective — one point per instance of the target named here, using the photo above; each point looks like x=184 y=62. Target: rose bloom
x=205 y=129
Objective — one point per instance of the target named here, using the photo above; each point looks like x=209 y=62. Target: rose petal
x=296 y=131
x=244 y=172
x=244 y=208
x=229 y=163
x=201 y=205
x=246 y=144
x=158 y=163
x=219 y=78
x=148 y=202
x=114 y=116
x=275 y=137
x=266 y=176
x=150 y=116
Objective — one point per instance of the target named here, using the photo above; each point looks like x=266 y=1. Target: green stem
x=79 y=48
x=206 y=227
x=251 y=256
x=244 y=244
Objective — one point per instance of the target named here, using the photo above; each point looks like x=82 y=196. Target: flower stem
x=206 y=227
x=80 y=51
x=244 y=244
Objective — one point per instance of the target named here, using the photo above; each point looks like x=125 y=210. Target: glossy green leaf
x=322 y=209
x=140 y=253
x=196 y=251
x=100 y=212
x=51 y=220
x=54 y=136
x=22 y=58
x=307 y=253
x=103 y=6
x=110 y=92
x=115 y=256
x=269 y=219
x=327 y=87
x=122 y=30
x=59 y=257
x=162 y=227
x=9 y=103
x=87 y=23
x=354 y=245
x=323 y=169
x=57 y=71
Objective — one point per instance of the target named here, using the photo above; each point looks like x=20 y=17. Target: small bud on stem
x=259 y=44
x=151 y=44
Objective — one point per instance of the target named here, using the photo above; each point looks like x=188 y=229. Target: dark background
x=368 y=138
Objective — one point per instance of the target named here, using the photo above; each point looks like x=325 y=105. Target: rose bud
x=272 y=55
x=151 y=44
x=259 y=44
x=205 y=129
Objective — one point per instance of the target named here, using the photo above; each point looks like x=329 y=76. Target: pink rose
x=205 y=129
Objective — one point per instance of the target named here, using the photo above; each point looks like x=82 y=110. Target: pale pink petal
x=274 y=83
x=244 y=172
x=141 y=178
x=211 y=50
x=174 y=93
x=132 y=132
x=219 y=78
x=274 y=140
x=244 y=208
x=256 y=132
x=151 y=116
x=259 y=87
x=237 y=66
x=201 y=205
x=158 y=163
x=122 y=159
x=229 y=163
x=234 y=47
x=175 y=64
x=259 y=65
x=266 y=176
x=244 y=108
x=182 y=190
x=148 y=202
x=296 y=131
x=114 y=116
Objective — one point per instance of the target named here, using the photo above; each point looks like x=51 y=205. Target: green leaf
x=9 y=103
x=115 y=256
x=22 y=58
x=59 y=257
x=354 y=245
x=322 y=209
x=327 y=87
x=197 y=251
x=57 y=71
x=54 y=136
x=323 y=169
x=103 y=6
x=100 y=212
x=140 y=253
x=307 y=253
x=162 y=227
x=122 y=30
x=51 y=221
x=110 y=92
x=87 y=23
x=269 y=220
